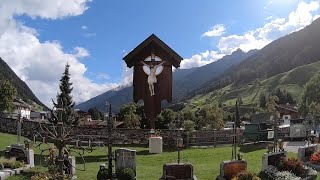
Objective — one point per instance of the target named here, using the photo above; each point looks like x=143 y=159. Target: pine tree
x=64 y=100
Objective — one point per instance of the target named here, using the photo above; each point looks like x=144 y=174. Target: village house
x=21 y=108
x=287 y=113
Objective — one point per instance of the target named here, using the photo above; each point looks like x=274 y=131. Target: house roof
x=20 y=103
x=130 y=58
x=261 y=118
x=288 y=107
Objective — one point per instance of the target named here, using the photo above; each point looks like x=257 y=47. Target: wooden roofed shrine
x=152 y=61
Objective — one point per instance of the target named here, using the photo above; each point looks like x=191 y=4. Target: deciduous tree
x=7 y=95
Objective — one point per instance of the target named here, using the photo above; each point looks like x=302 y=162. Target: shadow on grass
x=92 y=159
x=253 y=147
x=2 y=153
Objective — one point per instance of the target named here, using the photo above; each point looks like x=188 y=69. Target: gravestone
x=304 y=153
x=20 y=153
x=229 y=169
x=155 y=145
x=72 y=166
x=178 y=171
x=272 y=158
x=125 y=158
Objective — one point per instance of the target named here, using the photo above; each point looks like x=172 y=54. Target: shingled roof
x=130 y=58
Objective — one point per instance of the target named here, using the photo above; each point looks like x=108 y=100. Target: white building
x=22 y=108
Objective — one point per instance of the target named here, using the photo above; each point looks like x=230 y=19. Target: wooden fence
x=212 y=138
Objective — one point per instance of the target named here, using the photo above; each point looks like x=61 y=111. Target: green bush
x=126 y=174
x=17 y=164
x=103 y=174
x=246 y=175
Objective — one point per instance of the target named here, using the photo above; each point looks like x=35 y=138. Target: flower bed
x=291 y=168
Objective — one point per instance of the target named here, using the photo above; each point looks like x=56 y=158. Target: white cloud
x=200 y=59
x=316 y=17
x=258 y=38
x=41 y=64
x=216 y=30
x=84 y=27
x=269 y=18
x=127 y=75
x=81 y=52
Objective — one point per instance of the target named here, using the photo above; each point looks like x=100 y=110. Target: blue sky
x=94 y=35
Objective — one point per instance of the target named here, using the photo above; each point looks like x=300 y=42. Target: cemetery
x=60 y=149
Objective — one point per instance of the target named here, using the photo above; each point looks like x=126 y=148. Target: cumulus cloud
x=41 y=64
x=274 y=29
x=302 y=16
x=200 y=59
x=216 y=30
x=81 y=52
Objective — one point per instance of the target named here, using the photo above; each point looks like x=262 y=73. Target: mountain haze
x=184 y=81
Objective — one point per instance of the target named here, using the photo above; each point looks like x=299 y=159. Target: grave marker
x=178 y=171
x=272 y=158
x=125 y=158
x=229 y=169
x=304 y=153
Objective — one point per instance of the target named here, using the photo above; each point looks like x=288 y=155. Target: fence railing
x=212 y=138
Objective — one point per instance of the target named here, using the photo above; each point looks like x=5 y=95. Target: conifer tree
x=64 y=100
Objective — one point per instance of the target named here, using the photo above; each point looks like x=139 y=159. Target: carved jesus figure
x=152 y=79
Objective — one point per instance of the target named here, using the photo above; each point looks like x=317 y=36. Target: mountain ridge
x=23 y=90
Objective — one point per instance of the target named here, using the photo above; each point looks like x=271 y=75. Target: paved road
x=293 y=146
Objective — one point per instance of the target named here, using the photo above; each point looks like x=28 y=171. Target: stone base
x=155 y=145
x=4 y=173
x=270 y=158
x=314 y=166
x=304 y=153
x=28 y=152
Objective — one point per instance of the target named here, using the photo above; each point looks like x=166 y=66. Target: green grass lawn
x=206 y=161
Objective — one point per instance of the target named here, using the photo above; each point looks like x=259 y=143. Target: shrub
x=103 y=174
x=246 y=175
x=126 y=174
x=9 y=163
x=292 y=165
x=40 y=176
x=17 y=164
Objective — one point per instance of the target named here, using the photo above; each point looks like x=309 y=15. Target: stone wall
x=32 y=129
x=84 y=133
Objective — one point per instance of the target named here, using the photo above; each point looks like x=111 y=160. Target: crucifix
x=152 y=79
x=152 y=74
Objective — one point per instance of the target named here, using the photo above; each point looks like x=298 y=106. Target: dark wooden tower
x=152 y=51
